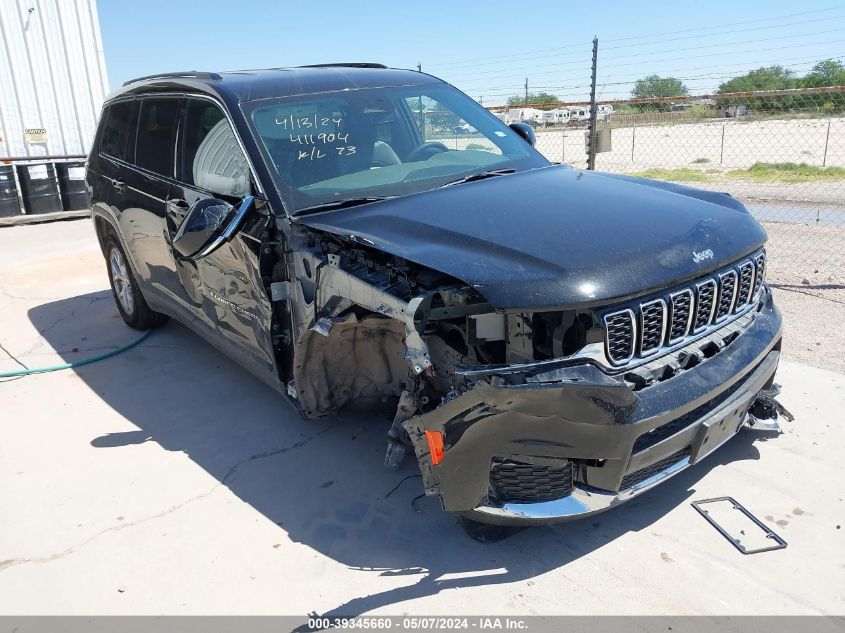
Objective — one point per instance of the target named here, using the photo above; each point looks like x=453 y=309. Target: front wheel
x=130 y=302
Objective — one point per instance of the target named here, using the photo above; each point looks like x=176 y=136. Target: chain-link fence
x=782 y=153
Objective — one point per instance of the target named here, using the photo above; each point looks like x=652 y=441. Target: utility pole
x=526 y=91
x=481 y=100
x=419 y=67
x=591 y=131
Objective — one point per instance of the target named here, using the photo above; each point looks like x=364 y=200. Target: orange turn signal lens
x=435 y=446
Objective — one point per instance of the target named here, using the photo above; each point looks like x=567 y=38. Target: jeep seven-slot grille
x=518 y=482
x=643 y=329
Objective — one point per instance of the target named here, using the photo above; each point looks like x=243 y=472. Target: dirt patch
x=806 y=269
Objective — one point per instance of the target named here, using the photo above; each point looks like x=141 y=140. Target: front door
x=227 y=284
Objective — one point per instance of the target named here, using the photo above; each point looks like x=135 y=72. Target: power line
x=649 y=43
x=658 y=61
x=659 y=52
x=651 y=35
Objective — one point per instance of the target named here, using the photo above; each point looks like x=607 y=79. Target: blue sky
x=486 y=49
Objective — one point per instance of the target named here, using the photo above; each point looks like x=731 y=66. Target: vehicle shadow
x=322 y=482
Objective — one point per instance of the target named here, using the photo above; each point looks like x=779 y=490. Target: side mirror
x=525 y=131
x=207 y=225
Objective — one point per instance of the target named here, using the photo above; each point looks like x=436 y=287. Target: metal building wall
x=52 y=76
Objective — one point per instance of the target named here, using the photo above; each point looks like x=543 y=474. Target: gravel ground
x=807 y=272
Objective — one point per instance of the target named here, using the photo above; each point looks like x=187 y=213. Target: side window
x=210 y=157
x=116 y=120
x=156 y=141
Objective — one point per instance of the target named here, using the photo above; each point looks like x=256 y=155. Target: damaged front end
x=518 y=416
x=542 y=444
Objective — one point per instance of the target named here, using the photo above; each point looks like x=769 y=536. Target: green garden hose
x=76 y=363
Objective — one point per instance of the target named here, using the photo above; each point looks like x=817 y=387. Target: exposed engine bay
x=371 y=327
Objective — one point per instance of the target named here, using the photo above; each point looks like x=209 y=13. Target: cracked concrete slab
x=168 y=480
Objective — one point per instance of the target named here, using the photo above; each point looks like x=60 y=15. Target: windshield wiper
x=479 y=176
x=340 y=204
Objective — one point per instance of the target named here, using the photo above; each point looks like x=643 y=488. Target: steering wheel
x=425 y=151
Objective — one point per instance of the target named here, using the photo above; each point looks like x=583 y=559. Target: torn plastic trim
x=514 y=421
x=764 y=411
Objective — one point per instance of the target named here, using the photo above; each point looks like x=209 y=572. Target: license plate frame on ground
x=735 y=541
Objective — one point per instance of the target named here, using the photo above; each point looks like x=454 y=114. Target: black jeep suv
x=554 y=341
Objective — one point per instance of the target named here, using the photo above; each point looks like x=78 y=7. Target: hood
x=556 y=237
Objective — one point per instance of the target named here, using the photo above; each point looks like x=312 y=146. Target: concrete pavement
x=169 y=481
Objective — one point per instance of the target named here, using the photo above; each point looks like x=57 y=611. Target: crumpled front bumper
x=621 y=442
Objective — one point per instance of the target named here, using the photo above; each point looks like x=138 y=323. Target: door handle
x=118 y=184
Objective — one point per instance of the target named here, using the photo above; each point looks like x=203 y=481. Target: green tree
x=763 y=78
x=657 y=86
x=830 y=72
x=534 y=99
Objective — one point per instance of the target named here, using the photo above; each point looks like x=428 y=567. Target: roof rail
x=187 y=73
x=346 y=65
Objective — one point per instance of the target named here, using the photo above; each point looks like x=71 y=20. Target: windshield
x=381 y=142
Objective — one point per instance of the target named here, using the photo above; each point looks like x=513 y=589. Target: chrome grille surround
x=652 y=327
x=759 y=273
x=705 y=305
x=746 y=284
x=621 y=337
x=727 y=295
x=683 y=315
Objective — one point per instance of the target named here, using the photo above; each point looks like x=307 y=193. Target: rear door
x=106 y=158
x=146 y=185
x=227 y=284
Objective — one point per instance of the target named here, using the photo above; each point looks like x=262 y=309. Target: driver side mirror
x=205 y=227
x=525 y=131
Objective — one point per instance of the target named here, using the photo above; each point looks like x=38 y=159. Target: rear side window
x=116 y=120
x=155 y=144
x=211 y=158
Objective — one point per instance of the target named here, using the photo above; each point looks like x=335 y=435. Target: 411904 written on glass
x=319 y=136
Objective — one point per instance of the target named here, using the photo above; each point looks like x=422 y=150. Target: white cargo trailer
x=52 y=77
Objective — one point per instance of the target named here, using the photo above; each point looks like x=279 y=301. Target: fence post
x=722 y=150
x=563 y=146
x=826 y=140
x=633 y=140
x=591 y=131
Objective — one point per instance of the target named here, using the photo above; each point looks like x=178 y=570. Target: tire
x=130 y=302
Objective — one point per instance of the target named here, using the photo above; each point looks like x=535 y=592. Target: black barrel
x=72 y=185
x=39 y=188
x=9 y=204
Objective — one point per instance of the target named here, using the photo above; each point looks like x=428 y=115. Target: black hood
x=556 y=237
